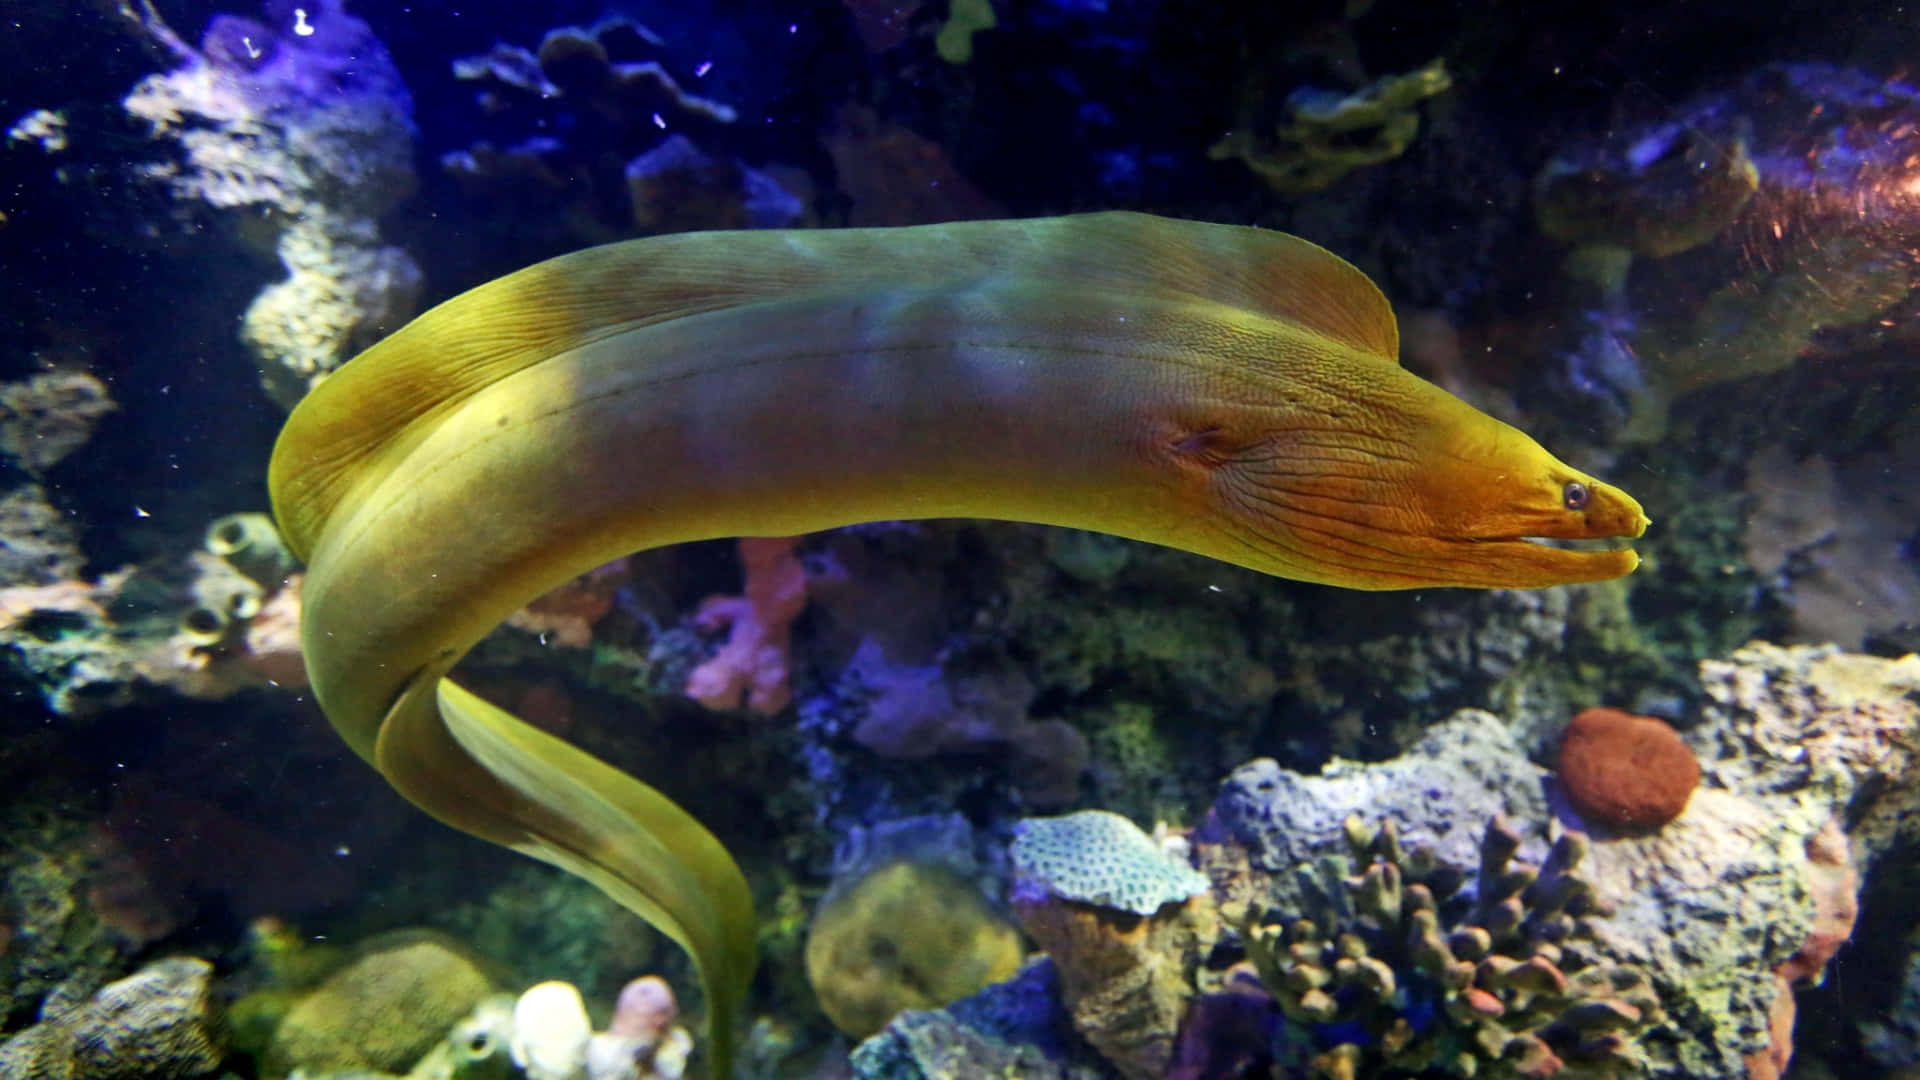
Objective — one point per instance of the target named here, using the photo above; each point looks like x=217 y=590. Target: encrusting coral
x=1392 y=965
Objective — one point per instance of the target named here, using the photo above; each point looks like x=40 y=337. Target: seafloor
x=1661 y=826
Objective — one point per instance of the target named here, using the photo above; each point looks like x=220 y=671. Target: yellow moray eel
x=1229 y=391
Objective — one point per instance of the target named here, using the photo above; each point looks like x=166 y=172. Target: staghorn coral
x=1391 y=966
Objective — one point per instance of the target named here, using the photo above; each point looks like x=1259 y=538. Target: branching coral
x=1398 y=967
x=752 y=667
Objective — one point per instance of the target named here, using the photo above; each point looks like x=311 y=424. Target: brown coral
x=1624 y=771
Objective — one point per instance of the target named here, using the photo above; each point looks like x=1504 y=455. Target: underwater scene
x=946 y=539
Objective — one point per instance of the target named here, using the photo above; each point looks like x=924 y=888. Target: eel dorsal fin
x=360 y=420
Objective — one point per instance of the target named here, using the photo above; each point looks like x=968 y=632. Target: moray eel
x=1225 y=390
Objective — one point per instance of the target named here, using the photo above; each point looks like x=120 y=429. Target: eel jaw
x=1524 y=563
x=1528 y=558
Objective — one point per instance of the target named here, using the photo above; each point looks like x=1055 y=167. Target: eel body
x=1225 y=390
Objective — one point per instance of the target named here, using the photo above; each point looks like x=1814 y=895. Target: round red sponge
x=1626 y=771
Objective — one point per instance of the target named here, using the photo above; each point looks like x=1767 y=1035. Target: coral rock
x=1624 y=771
x=1125 y=978
x=157 y=1022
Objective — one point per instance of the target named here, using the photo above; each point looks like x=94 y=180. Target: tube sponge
x=251 y=544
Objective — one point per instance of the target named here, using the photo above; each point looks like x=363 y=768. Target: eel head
x=1406 y=486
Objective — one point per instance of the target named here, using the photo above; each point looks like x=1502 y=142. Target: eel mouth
x=1522 y=562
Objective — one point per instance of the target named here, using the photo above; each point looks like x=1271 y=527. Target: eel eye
x=1575 y=495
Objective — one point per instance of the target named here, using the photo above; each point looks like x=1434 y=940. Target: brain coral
x=1626 y=771
x=381 y=1012
x=1098 y=857
x=908 y=935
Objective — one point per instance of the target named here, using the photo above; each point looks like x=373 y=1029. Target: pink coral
x=753 y=667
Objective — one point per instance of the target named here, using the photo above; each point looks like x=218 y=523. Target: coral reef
x=1625 y=772
x=678 y=186
x=550 y=1030
x=1723 y=912
x=160 y=1021
x=543 y=1034
x=644 y=1040
x=965 y=18
x=302 y=132
x=475 y=1048
x=892 y=175
x=566 y=616
x=1127 y=980
x=1388 y=966
x=57 y=947
x=42 y=546
x=93 y=645
x=916 y=711
x=1467 y=769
